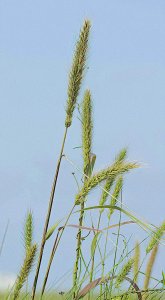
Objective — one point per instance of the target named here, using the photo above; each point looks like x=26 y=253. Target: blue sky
x=126 y=71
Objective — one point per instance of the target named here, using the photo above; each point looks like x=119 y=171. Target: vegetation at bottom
x=114 y=268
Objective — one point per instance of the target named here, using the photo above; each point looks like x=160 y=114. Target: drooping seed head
x=77 y=70
x=112 y=171
x=109 y=182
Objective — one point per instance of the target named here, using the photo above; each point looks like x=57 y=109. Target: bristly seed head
x=109 y=182
x=87 y=127
x=28 y=231
x=124 y=272
x=25 y=270
x=77 y=70
x=112 y=171
x=156 y=237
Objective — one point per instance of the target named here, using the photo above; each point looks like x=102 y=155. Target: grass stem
x=48 y=216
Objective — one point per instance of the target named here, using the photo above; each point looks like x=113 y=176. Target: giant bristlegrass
x=110 y=181
x=75 y=80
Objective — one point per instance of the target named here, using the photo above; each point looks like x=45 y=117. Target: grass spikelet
x=124 y=272
x=114 y=170
x=28 y=231
x=86 y=129
x=77 y=70
x=156 y=238
x=136 y=264
x=150 y=265
x=115 y=195
x=25 y=270
x=109 y=182
x=122 y=155
x=107 y=187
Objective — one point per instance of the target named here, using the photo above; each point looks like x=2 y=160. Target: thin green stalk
x=115 y=256
x=88 y=161
x=55 y=246
x=75 y=80
x=78 y=248
x=48 y=215
x=104 y=257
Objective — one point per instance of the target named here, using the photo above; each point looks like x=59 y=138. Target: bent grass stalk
x=113 y=170
x=75 y=80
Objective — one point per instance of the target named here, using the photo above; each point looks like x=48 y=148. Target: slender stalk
x=117 y=242
x=104 y=257
x=78 y=248
x=88 y=161
x=56 y=243
x=93 y=257
x=48 y=215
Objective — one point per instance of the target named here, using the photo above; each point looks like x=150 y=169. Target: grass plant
x=109 y=265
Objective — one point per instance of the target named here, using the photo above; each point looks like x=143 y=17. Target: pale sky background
x=126 y=76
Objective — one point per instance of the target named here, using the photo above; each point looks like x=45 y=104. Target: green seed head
x=87 y=127
x=124 y=272
x=77 y=70
x=156 y=237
